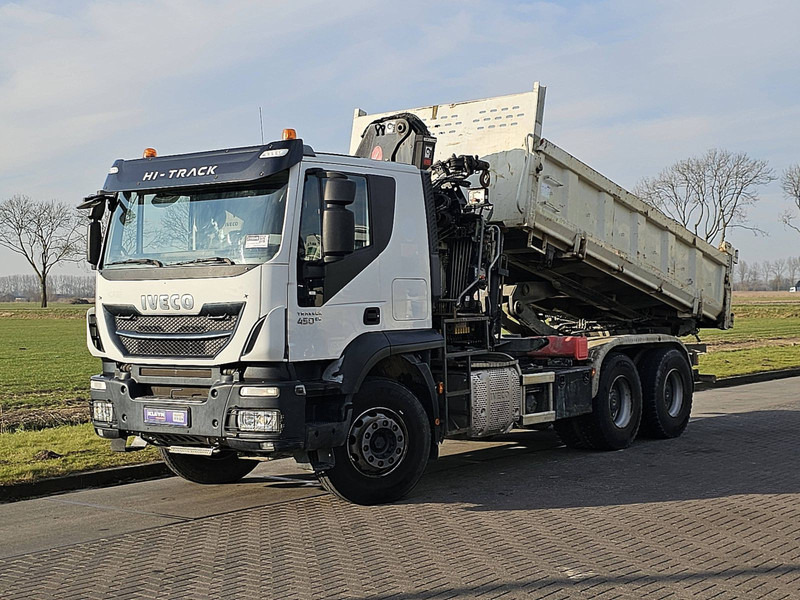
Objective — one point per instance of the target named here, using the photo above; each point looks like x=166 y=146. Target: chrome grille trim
x=174 y=336
x=203 y=335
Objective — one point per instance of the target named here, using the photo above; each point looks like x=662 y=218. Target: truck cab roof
x=229 y=165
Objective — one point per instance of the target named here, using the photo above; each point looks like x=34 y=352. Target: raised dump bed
x=586 y=247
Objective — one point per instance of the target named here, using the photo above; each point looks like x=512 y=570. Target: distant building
x=795 y=287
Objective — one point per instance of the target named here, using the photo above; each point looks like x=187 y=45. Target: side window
x=310 y=279
x=311 y=217
x=360 y=207
x=310 y=249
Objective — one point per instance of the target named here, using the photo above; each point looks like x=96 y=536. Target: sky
x=632 y=86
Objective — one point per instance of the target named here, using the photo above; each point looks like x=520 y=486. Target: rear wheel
x=617 y=407
x=387 y=446
x=667 y=393
x=225 y=467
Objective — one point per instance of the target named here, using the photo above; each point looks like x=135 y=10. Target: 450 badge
x=309 y=317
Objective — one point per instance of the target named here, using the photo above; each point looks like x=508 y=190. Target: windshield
x=232 y=226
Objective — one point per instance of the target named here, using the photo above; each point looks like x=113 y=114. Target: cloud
x=632 y=86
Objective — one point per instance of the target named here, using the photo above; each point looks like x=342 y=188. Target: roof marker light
x=113 y=170
x=274 y=153
x=289 y=134
x=149 y=153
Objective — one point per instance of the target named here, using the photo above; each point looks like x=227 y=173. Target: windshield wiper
x=208 y=259
x=137 y=261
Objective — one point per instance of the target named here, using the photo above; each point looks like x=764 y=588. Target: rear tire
x=387 y=447
x=226 y=467
x=617 y=407
x=667 y=390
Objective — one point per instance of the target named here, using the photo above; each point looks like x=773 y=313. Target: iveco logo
x=168 y=302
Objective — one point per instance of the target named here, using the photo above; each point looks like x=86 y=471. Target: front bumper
x=212 y=419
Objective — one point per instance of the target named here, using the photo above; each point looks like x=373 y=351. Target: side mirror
x=94 y=243
x=338 y=223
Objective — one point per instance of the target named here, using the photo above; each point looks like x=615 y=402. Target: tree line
x=778 y=274
x=28 y=287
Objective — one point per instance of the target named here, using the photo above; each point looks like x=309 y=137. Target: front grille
x=167 y=347
x=197 y=336
x=175 y=323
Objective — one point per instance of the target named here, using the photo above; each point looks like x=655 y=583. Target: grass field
x=44 y=364
x=43 y=357
x=29 y=455
x=765 y=336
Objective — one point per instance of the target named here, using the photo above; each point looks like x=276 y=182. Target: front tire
x=667 y=390
x=226 y=467
x=387 y=447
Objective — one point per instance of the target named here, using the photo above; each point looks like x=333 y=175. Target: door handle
x=372 y=316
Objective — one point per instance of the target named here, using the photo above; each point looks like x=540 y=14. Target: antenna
x=261 y=120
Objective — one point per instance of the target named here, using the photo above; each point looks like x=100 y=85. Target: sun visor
x=236 y=165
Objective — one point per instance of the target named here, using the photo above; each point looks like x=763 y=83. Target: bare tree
x=766 y=273
x=779 y=270
x=45 y=233
x=742 y=270
x=708 y=194
x=790 y=182
x=792 y=268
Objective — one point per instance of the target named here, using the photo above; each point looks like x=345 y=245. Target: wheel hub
x=377 y=442
x=620 y=399
x=673 y=393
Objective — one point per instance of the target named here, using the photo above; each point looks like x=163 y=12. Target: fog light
x=259 y=392
x=259 y=420
x=102 y=411
x=97 y=384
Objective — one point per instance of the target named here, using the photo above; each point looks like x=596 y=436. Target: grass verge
x=43 y=361
x=30 y=455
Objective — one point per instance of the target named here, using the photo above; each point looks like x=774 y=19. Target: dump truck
x=455 y=276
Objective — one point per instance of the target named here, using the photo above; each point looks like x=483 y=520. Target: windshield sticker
x=256 y=241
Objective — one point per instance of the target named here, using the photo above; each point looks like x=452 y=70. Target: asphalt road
x=714 y=514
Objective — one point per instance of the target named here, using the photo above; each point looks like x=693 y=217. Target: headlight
x=102 y=411
x=97 y=384
x=259 y=392
x=259 y=420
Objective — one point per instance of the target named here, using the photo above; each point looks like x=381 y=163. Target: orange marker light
x=149 y=153
x=289 y=134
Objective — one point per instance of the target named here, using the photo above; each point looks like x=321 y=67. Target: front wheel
x=224 y=467
x=387 y=447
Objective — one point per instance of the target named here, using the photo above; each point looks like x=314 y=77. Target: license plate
x=166 y=416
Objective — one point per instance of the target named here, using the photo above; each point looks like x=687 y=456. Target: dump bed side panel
x=576 y=207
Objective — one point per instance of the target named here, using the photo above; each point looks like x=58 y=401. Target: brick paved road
x=714 y=514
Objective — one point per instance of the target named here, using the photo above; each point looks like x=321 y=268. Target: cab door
x=331 y=303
